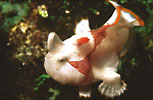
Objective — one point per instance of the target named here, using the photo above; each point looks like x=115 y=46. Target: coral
x=29 y=40
x=42 y=10
x=12 y=14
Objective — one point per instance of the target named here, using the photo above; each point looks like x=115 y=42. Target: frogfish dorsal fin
x=82 y=26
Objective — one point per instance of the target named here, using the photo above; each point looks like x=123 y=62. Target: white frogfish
x=92 y=55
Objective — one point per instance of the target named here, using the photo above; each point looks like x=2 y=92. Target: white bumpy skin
x=102 y=59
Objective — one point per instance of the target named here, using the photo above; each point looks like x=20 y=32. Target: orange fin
x=83 y=66
x=134 y=15
x=125 y=13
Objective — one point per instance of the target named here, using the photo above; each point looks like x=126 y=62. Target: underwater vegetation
x=26 y=26
x=28 y=39
x=11 y=14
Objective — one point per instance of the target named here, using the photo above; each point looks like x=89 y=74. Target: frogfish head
x=56 y=61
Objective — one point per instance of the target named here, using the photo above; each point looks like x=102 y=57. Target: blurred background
x=24 y=27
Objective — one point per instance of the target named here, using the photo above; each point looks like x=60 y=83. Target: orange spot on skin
x=84 y=65
x=82 y=41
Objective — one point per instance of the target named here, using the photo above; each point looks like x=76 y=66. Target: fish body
x=92 y=55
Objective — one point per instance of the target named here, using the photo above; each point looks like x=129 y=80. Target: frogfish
x=92 y=55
